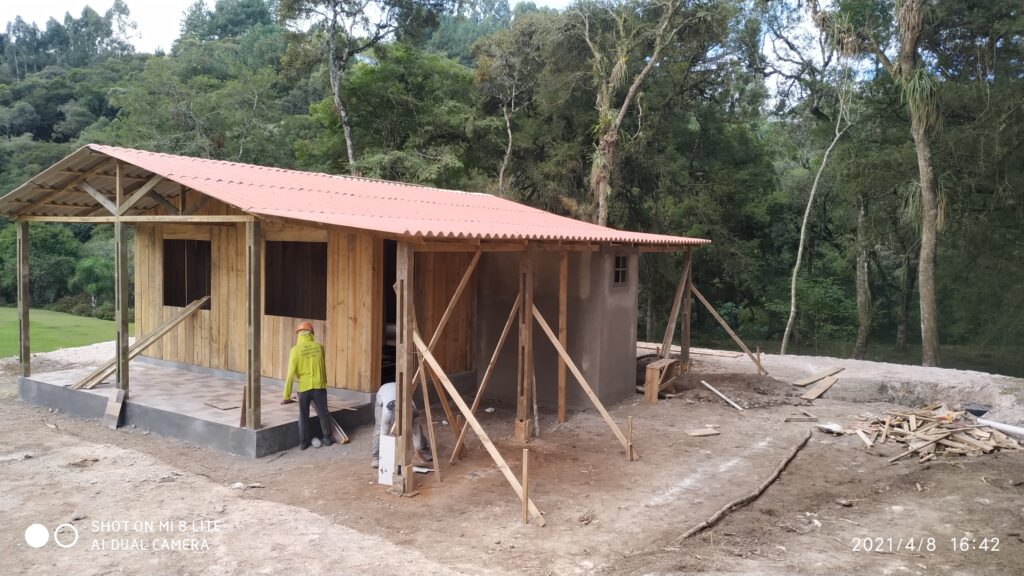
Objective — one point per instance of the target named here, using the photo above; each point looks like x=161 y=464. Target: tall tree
x=348 y=28
x=920 y=91
x=627 y=40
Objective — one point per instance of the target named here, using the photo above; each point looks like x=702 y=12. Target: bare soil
x=320 y=509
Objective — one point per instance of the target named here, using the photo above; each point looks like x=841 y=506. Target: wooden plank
x=864 y=438
x=825 y=374
x=430 y=425
x=670 y=328
x=685 y=327
x=526 y=486
x=801 y=419
x=163 y=202
x=206 y=219
x=477 y=428
x=24 y=301
x=112 y=415
x=915 y=449
x=457 y=451
x=120 y=287
x=563 y=312
x=140 y=345
x=405 y=361
x=819 y=388
x=579 y=378
x=722 y=396
x=722 y=322
x=657 y=375
x=126 y=205
x=253 y=316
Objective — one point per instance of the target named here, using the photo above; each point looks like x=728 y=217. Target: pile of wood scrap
x=933 y=431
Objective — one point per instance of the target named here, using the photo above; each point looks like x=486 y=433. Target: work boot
x=303 y=445
x=327 y=441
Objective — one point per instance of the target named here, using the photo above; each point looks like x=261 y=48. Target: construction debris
x=701 y=432
x=722 y=396
x=933 y=431
x=819 y=388
x=821 y=375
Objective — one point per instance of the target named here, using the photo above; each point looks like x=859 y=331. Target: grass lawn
x=53 y=330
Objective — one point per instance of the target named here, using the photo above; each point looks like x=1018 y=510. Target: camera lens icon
x=64 y=535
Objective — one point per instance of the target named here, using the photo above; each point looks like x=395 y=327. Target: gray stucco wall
x=601 y=325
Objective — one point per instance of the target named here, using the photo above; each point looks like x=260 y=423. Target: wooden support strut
x=463 y=282
x=120 y=288
x=24 y=301
x=99 y=197
x=579 y=378
x=563 y=311
x=404 y=481
x=457 y=451
x=760 y=369
x=472 y=421
x=677 y=301
x=137 y=195
x=524 y=371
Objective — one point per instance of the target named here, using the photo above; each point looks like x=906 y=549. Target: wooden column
x=24 y=301
x=405 y=368
x=253 y=316
x=684 y=327
x=121 y=288
x=524 y=381
x=563 y=309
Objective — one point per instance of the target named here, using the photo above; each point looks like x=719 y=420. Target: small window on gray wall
x=295 y=280
x=620 y=273
x=186 y=272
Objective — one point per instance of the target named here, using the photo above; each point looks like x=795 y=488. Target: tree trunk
x=864 y=308
x=335 y=73
x=803 y=235
x=508 y=151
x=601 y=174
x=906 y=297
x=926 y=258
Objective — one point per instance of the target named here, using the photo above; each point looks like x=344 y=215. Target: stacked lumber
x=933 y=431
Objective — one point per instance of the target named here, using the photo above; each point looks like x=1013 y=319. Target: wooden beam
x=685 y=327
x=524 y=371
x=253 y=316
x=231 y=219
x=120 y=287
x=99 y=197
x=405 y=362
x=24 y=301
x=457 y=451
x=191 y=210
x=430 y=426
x=137 y=194
x=651 y=249
x=472 y=421
x=760 y=369
x=670 y=328
x=141 y=344
x=54 y=192
x=470 y=247
x=563 y=311
x=579 y=378
x=163 y=202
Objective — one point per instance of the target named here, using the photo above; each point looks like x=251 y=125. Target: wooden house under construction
x=229 y=257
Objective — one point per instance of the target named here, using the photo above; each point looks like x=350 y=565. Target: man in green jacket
x=306 y=362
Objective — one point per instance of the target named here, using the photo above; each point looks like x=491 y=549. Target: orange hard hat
x=304 y=326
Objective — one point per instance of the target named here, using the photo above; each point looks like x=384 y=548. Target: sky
x=158 y=20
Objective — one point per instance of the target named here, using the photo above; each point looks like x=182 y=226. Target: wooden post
x=430 y=422
x=524 y=381
x=24 y=301
x=563 y=305
x=629 y=438
x=253 y=316
x=121 y=288
x=405 y=368
x=684 y=337
x=526 y=486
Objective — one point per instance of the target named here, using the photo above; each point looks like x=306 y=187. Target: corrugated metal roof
x=362 y=203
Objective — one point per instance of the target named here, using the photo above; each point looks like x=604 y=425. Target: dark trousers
x=319 y=399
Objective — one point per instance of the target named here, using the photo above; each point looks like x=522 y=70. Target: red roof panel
x=378 y=205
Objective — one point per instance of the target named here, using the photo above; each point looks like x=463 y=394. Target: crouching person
x=384 y=419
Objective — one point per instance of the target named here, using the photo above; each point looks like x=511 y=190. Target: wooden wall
x=437 y=276
x=215 y=338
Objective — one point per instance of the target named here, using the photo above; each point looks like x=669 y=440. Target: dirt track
x=319 y=508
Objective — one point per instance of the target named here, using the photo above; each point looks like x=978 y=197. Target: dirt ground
x=321 y=511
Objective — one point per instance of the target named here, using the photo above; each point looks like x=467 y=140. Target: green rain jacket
x=306 y=361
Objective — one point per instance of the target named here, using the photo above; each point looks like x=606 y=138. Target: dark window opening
x=620 y=273
x=295 y=280
x=186 y=272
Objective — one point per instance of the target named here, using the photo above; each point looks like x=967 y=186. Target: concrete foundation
x=195 y=405
x=601 y=335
